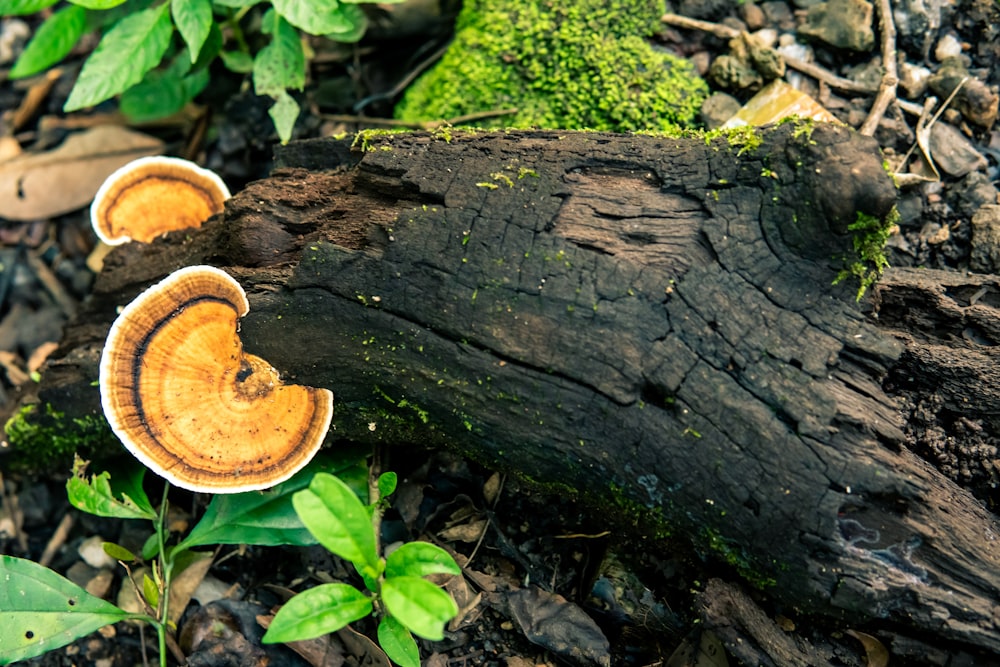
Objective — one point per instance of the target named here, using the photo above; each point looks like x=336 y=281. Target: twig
x=890 y=78
x=815 y=71
x=57 y=540
x=717 y=29
x=828 y=77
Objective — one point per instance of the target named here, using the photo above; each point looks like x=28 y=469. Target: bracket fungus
x=154 y=195
x=187 y=401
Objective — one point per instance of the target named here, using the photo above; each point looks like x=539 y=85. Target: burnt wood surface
x=637 y=318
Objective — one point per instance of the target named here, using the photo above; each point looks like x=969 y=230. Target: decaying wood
x=641 y=319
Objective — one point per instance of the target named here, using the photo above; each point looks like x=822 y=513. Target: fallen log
x=647 y=321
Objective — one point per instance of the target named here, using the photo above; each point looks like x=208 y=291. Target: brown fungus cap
x=187 y=401
x=151 y=196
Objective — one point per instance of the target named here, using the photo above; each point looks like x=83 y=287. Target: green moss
x=579 y=65
x=736 y=558
x=869 y=260
x=43 y=439
x=746 y=138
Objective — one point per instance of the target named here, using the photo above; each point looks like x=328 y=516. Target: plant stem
x=165 y=566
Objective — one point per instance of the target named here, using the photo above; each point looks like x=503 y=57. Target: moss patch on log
x=545 y=60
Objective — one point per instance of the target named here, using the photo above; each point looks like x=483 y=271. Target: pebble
x=952 y=152
x=844 y=24
x=947 y=47
x=913 y=80
x=91 y=551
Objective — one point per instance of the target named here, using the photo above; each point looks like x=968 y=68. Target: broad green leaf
x=284 y=112
x=131 y=48
x=193 y=19
x=317 y=17
x=163 y=92
x=95 y=496
x=98 y=4
x=56 y=37
x=418 y=559
x=267 y=518
x=237 y=61
x=334 y=515
x=23 y=7
x=386 y=484
x=316 y=612
x=235 y=4
x=398 y=643
x=419 y=605
x=118 y=552
x=354 y=25
x=43 y=610
x=281 y=64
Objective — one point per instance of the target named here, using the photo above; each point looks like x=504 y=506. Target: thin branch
x=890 y=78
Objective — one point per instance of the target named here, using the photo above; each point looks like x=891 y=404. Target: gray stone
x=952 y=152
x=844 y=24
x=718 y=108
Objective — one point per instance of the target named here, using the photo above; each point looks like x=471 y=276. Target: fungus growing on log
x=187 y=401
x=151 y=196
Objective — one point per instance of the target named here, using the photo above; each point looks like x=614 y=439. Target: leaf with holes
x=43 y=610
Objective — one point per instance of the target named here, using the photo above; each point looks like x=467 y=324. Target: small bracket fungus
x=187 y=401
x=151 y=196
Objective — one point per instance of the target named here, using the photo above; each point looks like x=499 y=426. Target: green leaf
x=282 y=63
x=398 y=643
x=316 y=612
x=43 y=610
x=150 y=591
x=418 y=559
x=23 y=7
x=355 y=22
x=283 y=114
x=118 y=552
x=98 y=4
x=131 y=48
x=317 y=17
x=95 y=496
x=386 y=484
x=237 y=61
x=235 y=4
x=55 y=38
x=334 y=515
x=193 y=19
x=163 y=92
x=267 y=518
x=419 y=605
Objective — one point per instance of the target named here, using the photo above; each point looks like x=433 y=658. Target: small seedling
x=405 y=603
x=157 y=57
x=43 y=610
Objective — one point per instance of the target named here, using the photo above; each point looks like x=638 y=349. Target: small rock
x=972 y=193
x=91 y=551
x=948 y=47
x=977 y=102
x=985 y=257
x=779 y=15
x=844 y=24
x=753 y=16
x=952 y=152
x=917 y=22
x=718 y=108
x=913 y=80
x=14 y=34
x=731 y=73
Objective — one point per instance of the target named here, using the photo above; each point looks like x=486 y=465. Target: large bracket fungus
x=187 y=401
x=151 y=196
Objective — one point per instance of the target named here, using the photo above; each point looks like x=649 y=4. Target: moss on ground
x=572 y=65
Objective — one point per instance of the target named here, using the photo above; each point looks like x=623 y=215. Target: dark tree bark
x=640 y=319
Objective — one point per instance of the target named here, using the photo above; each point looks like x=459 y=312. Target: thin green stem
x=165 y=567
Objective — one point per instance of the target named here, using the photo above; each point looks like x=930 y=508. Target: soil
x=547 y=579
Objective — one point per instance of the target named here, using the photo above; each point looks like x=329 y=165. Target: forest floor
x=548 y=581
